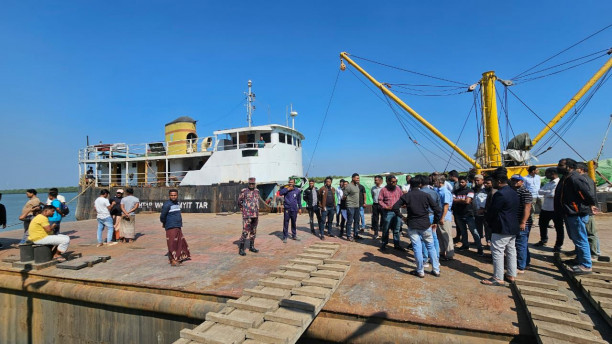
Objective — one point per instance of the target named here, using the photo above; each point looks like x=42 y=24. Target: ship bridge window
x=299 y=143
x=267 y=137
x=281 y=137
x=289 y=139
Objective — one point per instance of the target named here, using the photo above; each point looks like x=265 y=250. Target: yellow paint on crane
x=181 y=136
x=489 y=109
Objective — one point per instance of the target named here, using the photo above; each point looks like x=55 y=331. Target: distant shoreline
x=41 y=190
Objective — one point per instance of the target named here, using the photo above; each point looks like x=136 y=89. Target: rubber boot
x=252 y=247
x=241 y=249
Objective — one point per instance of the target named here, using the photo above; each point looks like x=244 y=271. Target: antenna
x=293 y=116
x=250 y=107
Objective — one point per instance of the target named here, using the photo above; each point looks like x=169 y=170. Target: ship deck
x=378 y=285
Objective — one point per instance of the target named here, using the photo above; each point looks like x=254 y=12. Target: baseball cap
x=517 y=177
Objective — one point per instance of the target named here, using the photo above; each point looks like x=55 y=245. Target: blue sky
x=118 y=71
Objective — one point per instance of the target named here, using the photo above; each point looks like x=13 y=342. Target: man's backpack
x=64 y=209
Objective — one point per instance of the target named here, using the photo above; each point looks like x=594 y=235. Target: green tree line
x=41 y=190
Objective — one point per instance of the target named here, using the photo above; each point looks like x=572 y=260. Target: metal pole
x=489 y=110
x=573 y=101
x=604 y=140
x=414 y=114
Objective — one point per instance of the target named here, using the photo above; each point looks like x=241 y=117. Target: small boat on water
x=208 y=171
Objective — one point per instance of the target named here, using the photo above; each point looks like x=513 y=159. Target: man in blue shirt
x=293 y=207
x=445 y=227
x=57 y=215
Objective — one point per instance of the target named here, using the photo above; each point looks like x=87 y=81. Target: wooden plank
x=302 y=302
x=602 y=268
x=327 y=274
x=220 y=333
x=275 y=332
x=290 y=316
x=337 y=261
x=312 y=256
x=327 y=253
x=327 y=243
x=599 y=276
x=268 y=293
x=292 y=275
x=299 y=267
x=203 y=327
x=602 y=292
x=313 y=291
x=182 y=341
x=255 y=304
x=303 y=261
x=558 y=317
x=321 y=282
x=536 y=284
x=333 y=267
x=542 y=293
x=550 y=304
x=572 y=334
x=281 y=283
x=238 y=318
x=594 y=283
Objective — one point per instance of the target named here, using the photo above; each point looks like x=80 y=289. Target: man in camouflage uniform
x=248 y=201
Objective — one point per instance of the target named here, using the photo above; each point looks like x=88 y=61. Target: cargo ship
x=208 y=171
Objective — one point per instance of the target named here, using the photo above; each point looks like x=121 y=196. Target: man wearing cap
x=524 y=216
x=248 y=201
x=293 y=207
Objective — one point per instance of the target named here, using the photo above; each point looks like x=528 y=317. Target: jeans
x=338 y=213
x=435 y=241
x=576 y=229
x=312 y=211
x=108 y=222
x=424 y=235
x=352 y=221
x=464 y=222
x=593 y=237
x=390 y=220
x=327 y=214
x=502 y=244
x=376 y=217
x=545 y=217
x=57 y=226
x=290 y=215
x=484 y=231
x=362 y=217
x=523 y=258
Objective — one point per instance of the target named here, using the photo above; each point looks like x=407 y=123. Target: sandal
x=581 y=270
x=493 y=282
x=60 y=259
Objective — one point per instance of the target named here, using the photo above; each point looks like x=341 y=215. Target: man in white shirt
x=533 y=183
x=547 y=213
x=103 y=208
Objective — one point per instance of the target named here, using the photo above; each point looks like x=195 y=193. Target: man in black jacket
x=312 y=205
x=576 y=201
x=418 y=204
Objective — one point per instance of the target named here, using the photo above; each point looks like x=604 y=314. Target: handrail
x=104 y=151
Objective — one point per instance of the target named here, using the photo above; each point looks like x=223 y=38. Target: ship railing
x=249 y=145
x=106 y=151
x=143 y=179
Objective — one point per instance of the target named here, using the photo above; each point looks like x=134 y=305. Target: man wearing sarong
x=172 y=221
x=129 y=204
x=248 y=201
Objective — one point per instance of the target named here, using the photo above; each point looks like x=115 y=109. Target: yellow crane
x=492 y=144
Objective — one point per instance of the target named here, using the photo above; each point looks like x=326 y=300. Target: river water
x=15 y=202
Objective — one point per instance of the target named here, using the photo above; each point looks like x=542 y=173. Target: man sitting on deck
x=40 y=232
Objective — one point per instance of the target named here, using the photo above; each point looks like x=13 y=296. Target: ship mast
x=250 y=107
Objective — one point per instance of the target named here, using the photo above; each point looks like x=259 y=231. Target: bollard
x=42 y=253
x=26 y=252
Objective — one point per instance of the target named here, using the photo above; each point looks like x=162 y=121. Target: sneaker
x=285 y=240
x=480 y=253
x=376 y=237
x=426 y=265
x=416 y=273
x=295 y=238
x=112 y=243
x=557 y=249
x=399 y=248
x=540 y=244
x=357 y=237
x=436 y=274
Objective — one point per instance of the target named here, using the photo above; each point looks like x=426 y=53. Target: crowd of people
x=493 y=209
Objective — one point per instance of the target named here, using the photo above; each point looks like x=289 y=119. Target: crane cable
x=323 y=123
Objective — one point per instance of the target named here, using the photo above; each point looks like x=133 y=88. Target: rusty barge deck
x=378 y=300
